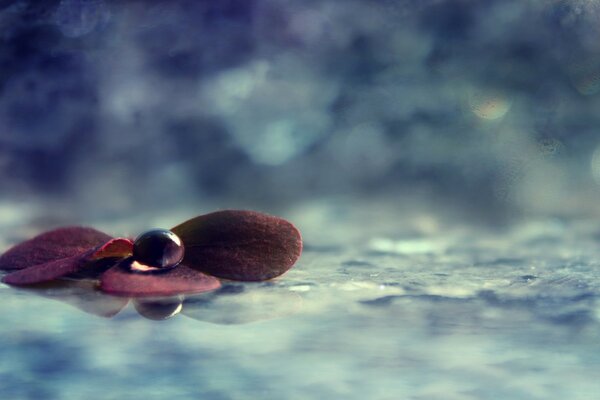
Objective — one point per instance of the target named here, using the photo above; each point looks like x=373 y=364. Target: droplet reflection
x=158 y=309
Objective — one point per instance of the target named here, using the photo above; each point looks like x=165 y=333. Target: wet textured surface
x=459 y=313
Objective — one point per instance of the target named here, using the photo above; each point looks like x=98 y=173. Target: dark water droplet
x=158 y=248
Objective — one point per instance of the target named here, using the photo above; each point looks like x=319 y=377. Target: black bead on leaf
x=158 y=248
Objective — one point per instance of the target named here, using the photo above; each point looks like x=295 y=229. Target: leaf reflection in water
x=81 y=294
x=231 y=305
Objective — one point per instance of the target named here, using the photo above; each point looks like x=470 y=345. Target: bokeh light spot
x=489 y=104
x=76 y=18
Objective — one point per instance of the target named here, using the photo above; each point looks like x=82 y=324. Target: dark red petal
x=51 y=246
x=240 y=245
x=48 y=271
x=179 y=280
x=85 y=265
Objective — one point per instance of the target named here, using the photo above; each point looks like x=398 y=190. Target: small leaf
x=240 y=245
x=48 y=271
x=52 y=246
x=86 y=265
x=120 y=281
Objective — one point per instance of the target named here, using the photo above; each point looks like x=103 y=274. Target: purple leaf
x=83 y=264
x=52 y=246
x=120 y=281
x=49 y=271
x=240 y=245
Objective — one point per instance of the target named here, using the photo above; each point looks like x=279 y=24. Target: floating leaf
x=120 y=281
x=240 y=245
x=52 y=246
x=86 y=265
x=48 y=271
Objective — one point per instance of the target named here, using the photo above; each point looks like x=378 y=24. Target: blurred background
x=441 y=158
x=480 y=112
